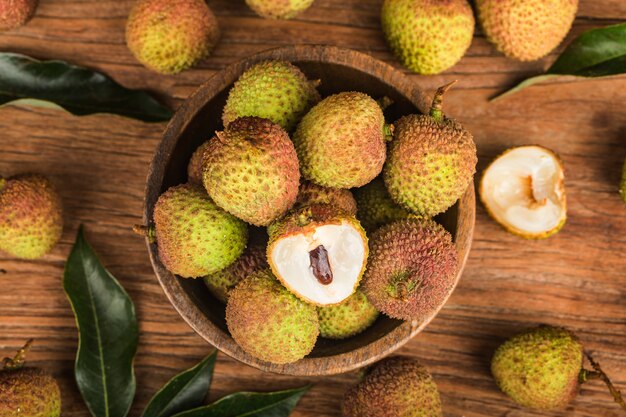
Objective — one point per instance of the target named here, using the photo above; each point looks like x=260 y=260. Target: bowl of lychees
x=310 y=209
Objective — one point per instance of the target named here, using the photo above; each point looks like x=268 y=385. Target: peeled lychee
x=524 y=191
x=319 y=253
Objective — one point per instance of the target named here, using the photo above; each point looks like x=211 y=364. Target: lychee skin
x=540 y=367
x=279 y=9
x=347 y=319
x=222 y=282
x=31 y=218
x=16 y=13
x=194 y=236
x=274 y=90
x=311 y=193
x=394 y=387
x=194 y=168
x=169 y=36
x=251 y=170
x=411 y=269
x=269 y=322
x=29 y=392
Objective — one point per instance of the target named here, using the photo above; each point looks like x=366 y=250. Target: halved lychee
x=523 y=190
x=319 y=253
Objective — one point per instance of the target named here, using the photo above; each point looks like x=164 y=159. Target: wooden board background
x=576 y=278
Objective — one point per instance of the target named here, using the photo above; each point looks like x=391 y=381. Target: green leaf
x=78 y=90
x=595 y=53
x=108 y=333
x=183 y=392
x=251 y=404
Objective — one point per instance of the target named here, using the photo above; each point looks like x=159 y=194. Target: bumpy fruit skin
x=428 y=36
x=194 y=168
x=311 y=193
x=169 y=36
x=526 y=29
x=31 y=218
x=279 y=9
x=251 y=170
x=376 y=208
x=16 y=13
x=348 y=318
x=274 y=90
x=29 y=392
x=430 y=164
x=540 y=367
x=341 y=141
x=222 y=282
x=394 y=387
x=269 y=322
x=194 y=236
x=411 y=269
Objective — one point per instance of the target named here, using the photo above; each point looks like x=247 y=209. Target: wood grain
x=100 y=162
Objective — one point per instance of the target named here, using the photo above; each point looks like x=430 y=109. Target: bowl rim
x=185 y=305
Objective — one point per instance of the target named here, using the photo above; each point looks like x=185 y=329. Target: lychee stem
x=587 y=375
x=18 y=361
x=2 y=182
x=436 y=111
x=146 y=231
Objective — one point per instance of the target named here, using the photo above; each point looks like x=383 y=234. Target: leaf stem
x=598 y=373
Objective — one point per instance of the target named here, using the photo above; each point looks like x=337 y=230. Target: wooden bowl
x=195 y=122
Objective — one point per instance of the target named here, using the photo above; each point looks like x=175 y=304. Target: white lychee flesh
x=347 y=253
x=523 y=190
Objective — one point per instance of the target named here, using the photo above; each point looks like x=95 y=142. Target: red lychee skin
x=411 y=269
x=15 y=13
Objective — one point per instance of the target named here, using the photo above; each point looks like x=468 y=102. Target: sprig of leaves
x=595 y=53
x=108 y=337
x=80 y=91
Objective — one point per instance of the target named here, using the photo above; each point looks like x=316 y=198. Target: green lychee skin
x=347 y=319
x=251 y=170
x=394 y=387
x=269 y=322
x=279 y=9
x=539 y=368
x=430 y=164
x=31 y=218
x=341 y=142
x=311 y=194
x=526 y=30
x=194 y=236
x=29 y=392
x=16 y=13
x=428 y=36
x=274 y=90
x=222 y=282
x=375 y=206
x=169 y=36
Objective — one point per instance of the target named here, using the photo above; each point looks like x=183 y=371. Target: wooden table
x=576 y=279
